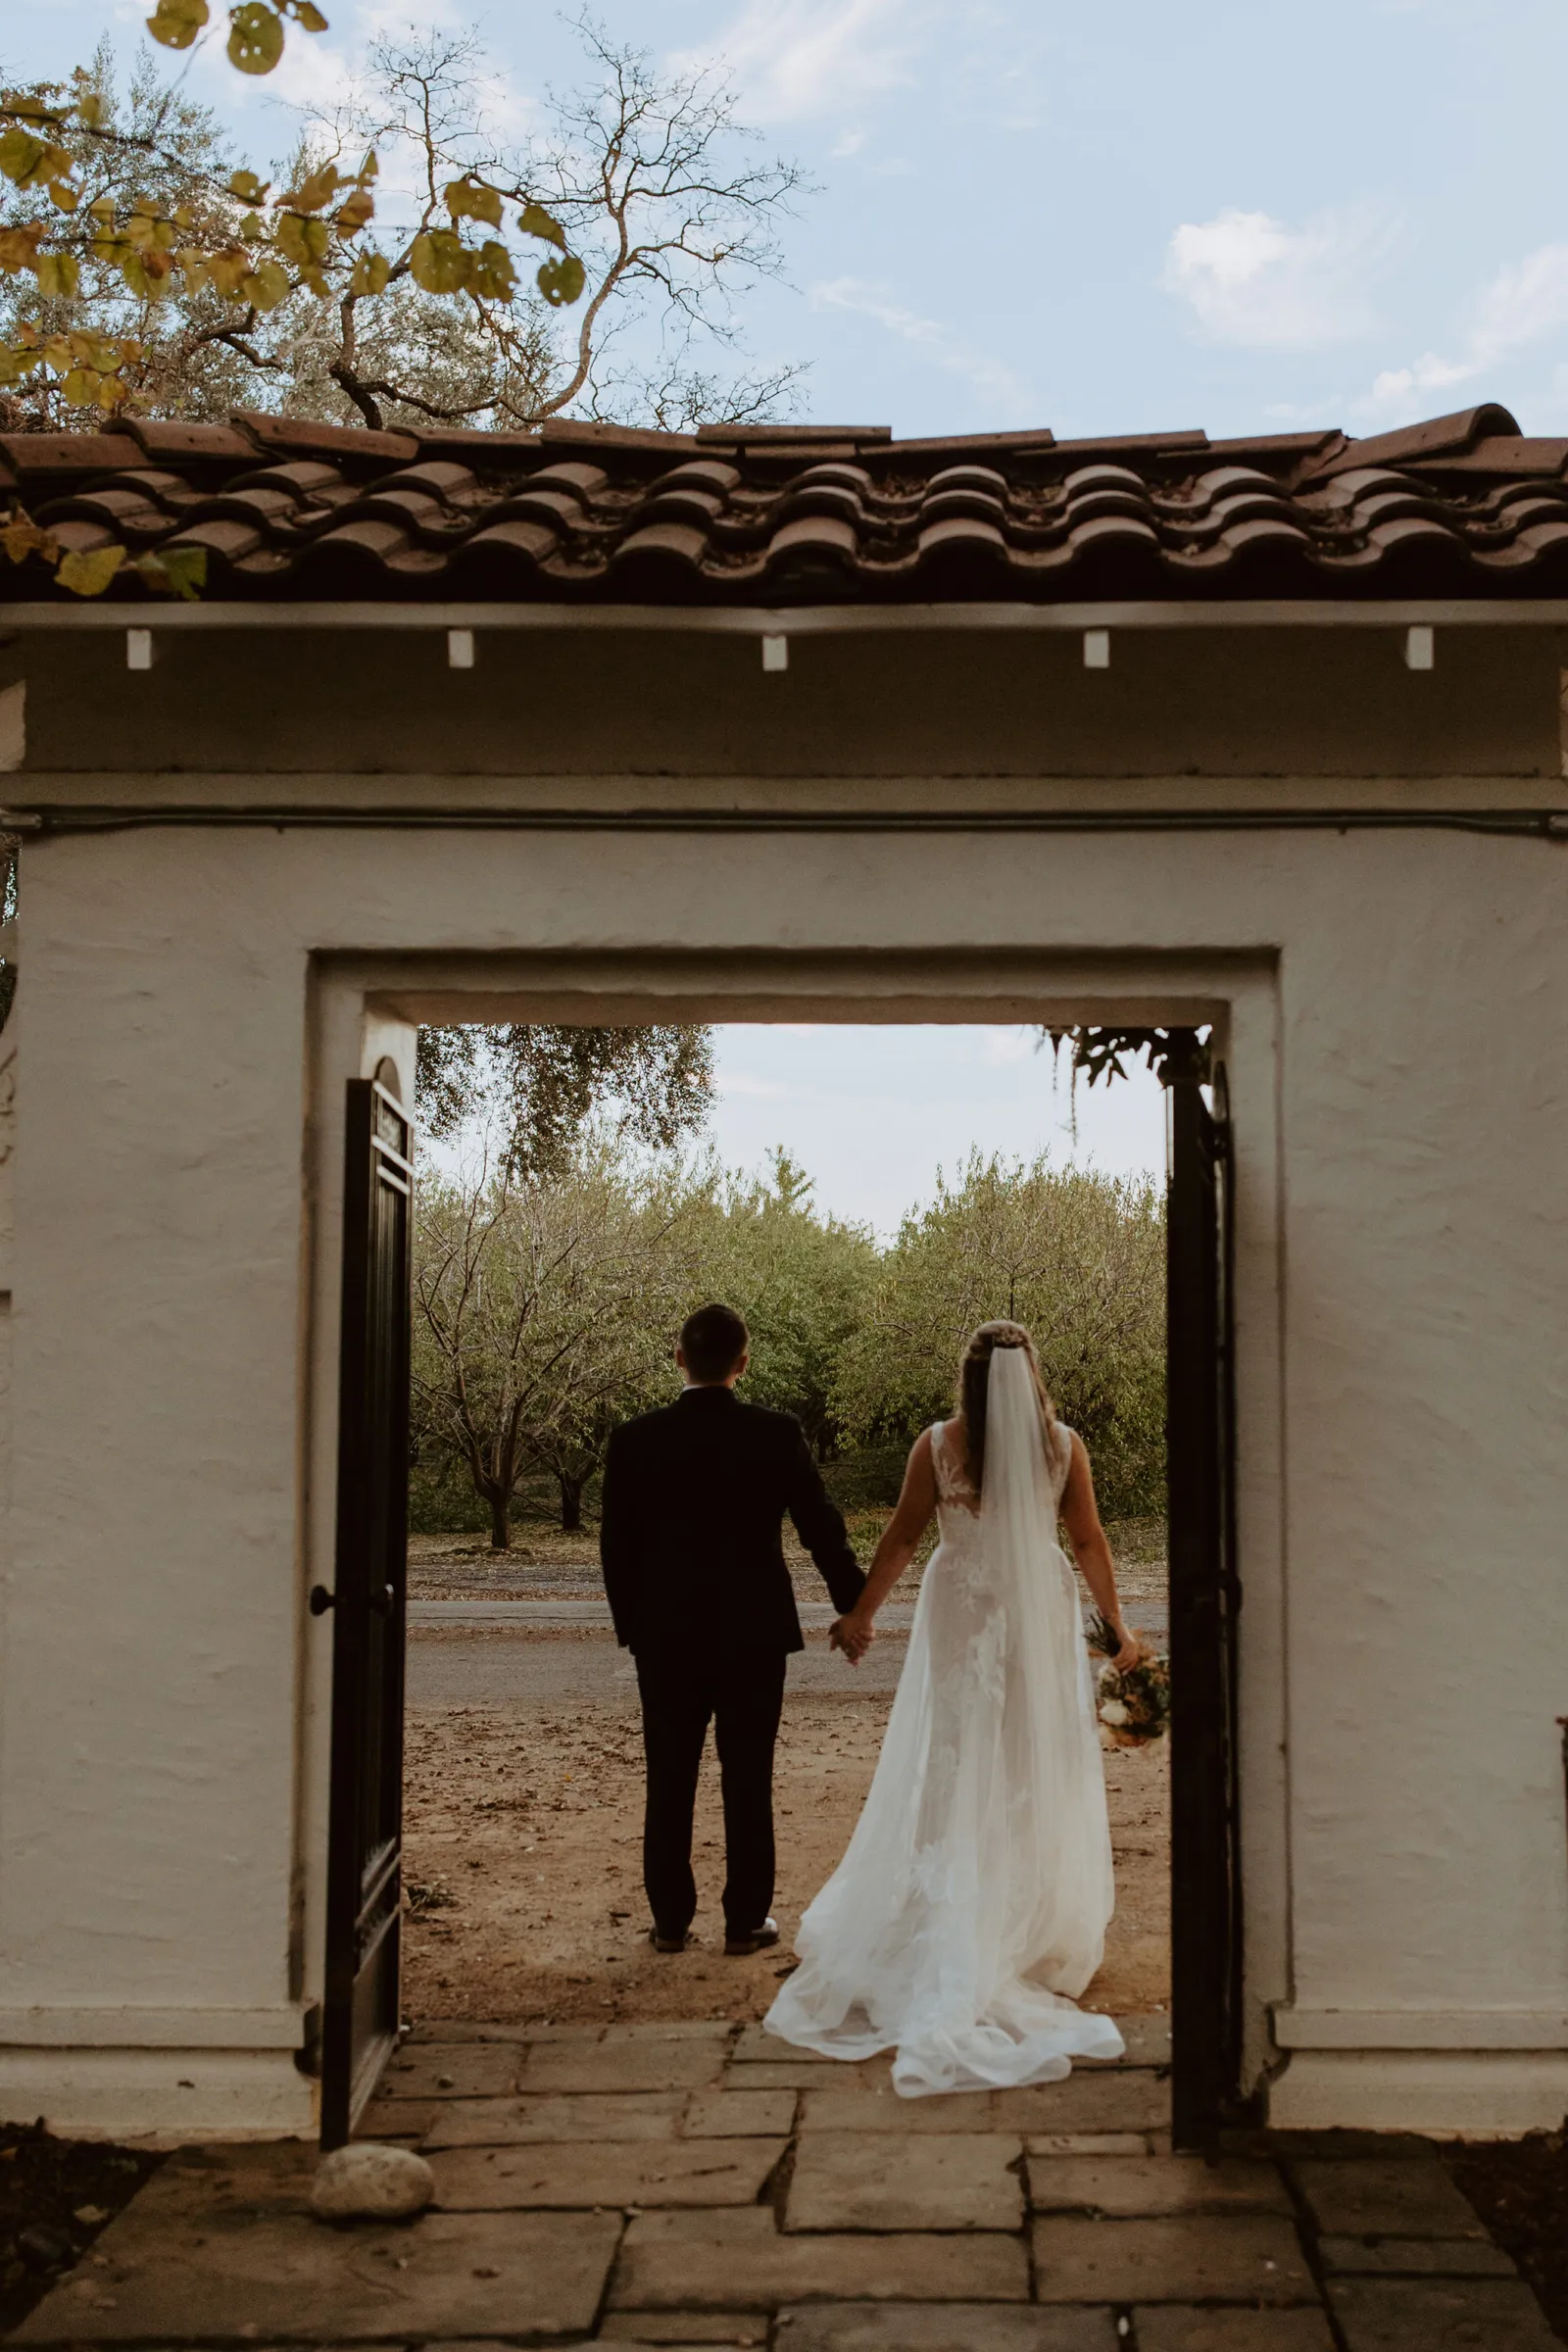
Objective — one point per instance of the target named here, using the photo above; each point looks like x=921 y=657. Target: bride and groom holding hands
x=970 y=1907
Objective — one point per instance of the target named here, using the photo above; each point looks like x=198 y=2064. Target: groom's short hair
x=712 y=1341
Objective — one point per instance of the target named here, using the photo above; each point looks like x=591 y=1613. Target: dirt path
x=524 y=1837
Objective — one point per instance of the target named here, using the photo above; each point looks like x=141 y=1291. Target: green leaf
x=87 y=571
x=57 y=274
x=256 y=36
x=438 y=261
x=177 y=570
x=176 y=23
x=535 y=221
x=561 y=282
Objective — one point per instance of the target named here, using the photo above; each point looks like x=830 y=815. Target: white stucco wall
x=193 y=1000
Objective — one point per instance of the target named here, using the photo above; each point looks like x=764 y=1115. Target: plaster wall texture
x=193 y=1000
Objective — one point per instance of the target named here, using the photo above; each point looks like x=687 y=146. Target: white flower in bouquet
x=1112 y=1711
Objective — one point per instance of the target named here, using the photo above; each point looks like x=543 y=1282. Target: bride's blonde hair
x=974 y=1371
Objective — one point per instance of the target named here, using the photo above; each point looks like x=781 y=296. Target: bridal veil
x=972 y=1902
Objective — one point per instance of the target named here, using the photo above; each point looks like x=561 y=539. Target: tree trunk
x=571 y=1502
x=500 y=1522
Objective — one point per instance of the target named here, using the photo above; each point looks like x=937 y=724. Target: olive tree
x=1077 y=1256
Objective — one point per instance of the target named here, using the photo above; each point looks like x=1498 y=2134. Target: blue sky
x=873 y=1112
x=1120 y=219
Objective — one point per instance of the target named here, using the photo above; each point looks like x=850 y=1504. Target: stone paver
x=1089 y=2143
x=1414 y=2258
x=1148 y=2040
x=716 y=2030
x=1450 y=2315
x=1168 y=2327
x=726 y=2113
x=1392 y=2198
x=468 y=2028
x=671 y=2061
x=1108 y=2099
x=931 y=2181
x=174 y=2272
x=557 y=2115
x=606 y=2171
x=1154 y=2184
x=683 y=2327
x=1230 y=2258
x=944 y=2328
x=673 y=2261
x=794 y=2074
x=882 y=2109
x=402 y=2119
x=452 y=2071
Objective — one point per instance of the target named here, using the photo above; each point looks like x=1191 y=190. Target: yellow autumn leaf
x=80 y=388
x=561 y=282
x=438 y=261
x=63 y=196
x=492 y=272
x=472 y=200
x=266 y=286
x=87 y=571
x=58 y=273
x=22 y=537
x=311 y=193
x=351 y=215
x=308 y=17
x=21 y=154
x=176 y=23
x=90 y=109
x=247 y=187
x=535 y=221
x=255 y=36
x=303 y=241
x=370 y=273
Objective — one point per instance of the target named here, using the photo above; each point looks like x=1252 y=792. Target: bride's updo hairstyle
x=974 y=1371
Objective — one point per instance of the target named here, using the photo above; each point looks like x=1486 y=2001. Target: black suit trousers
x=742 y=1698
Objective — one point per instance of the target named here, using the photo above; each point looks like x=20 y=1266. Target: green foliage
x=539 y=1085
x=1077 y=1256
x=801 y=1280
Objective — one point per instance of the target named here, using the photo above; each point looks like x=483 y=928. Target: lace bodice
x=958 y=1503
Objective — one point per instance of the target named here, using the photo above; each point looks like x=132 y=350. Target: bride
x=972 y=1902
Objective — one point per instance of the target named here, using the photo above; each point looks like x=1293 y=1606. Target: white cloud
x=810 y=57
x=766 y=1090
x=1526 y=301
x=1250 y=280
x=1005 y=1045
x=991 y=377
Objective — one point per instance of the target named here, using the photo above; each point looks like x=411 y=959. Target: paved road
x=478 y=1654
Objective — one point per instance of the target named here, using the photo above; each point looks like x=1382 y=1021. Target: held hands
x=853 y=1634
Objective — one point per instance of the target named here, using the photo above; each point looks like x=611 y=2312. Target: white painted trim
x=1477 y=2030
x=68 y=2027
x=807 y=620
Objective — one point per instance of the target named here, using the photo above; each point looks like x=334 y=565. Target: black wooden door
x=359 y=2014
x=1204 y=1597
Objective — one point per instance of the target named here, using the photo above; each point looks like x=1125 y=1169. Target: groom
x=690 y=1541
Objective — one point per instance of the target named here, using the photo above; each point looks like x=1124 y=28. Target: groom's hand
x=853 y=1637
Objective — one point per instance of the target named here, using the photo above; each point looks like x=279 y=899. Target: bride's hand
x=853 y=1634
x=1130 y=1650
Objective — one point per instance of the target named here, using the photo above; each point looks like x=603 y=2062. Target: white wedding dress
x=973 y=1899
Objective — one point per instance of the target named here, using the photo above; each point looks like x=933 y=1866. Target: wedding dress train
x=973 y=1898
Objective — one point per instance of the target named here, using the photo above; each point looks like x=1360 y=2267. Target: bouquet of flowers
x=1134 y=1701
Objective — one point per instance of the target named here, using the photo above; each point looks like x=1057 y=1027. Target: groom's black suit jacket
x=691 y=1532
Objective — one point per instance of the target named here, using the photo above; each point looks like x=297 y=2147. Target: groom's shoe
x=741 y=1947
x=668 y=1943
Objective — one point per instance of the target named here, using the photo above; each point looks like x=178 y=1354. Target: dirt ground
x=523 y=1849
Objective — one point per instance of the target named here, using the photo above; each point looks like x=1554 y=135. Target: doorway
x=1206 y=1757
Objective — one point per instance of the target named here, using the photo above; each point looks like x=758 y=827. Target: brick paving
x=691 y=2184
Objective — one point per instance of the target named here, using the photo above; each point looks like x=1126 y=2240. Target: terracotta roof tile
x=1462 y=505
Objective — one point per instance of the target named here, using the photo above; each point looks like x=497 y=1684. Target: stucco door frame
x=362 y=1009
